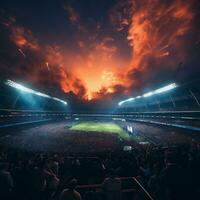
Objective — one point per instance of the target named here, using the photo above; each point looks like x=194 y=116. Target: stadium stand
x=49 y=168
x=167 y=173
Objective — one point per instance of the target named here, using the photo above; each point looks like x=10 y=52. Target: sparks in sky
x=105 y=51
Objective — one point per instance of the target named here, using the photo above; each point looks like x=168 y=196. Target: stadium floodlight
x=56 y=99
x=28 y=90
x=166 y=88
x=148 y=94
x=127 y=100
x=121 y=102
x=130 y=99
x=20 y=87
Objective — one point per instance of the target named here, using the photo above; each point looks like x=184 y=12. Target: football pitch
x=103 y=127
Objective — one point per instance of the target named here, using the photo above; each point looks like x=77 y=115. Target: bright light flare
x=148 y=94
x=128 y=100
x=166 y=88
x=56 y=99
x=28 y=90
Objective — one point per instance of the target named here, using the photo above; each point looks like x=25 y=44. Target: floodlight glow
x=19 y=87
x=28 y=90
x=56 y=99
x=120 y=103
x=166 y=88
x=148 y=94
x=130 y=99
x=42 y=95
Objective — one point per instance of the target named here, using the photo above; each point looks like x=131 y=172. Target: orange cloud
x=155 y=32
x=22 y=37
x=99 y=67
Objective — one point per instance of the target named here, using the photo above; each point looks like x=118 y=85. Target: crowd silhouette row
x=166 y=172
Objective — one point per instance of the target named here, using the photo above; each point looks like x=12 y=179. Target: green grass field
x=103 y=127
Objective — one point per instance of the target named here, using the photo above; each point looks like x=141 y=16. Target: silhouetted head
x=72 y=184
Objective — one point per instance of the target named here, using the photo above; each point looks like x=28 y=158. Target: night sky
x=94 y=53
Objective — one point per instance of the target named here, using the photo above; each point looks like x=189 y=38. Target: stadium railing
x=130 y=185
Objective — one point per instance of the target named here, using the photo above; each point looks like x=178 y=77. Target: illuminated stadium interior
x=100 y=100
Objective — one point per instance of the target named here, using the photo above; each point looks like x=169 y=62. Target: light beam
x=151 y=93
x=28 y=90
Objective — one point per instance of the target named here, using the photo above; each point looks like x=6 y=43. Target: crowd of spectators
x=168 y=173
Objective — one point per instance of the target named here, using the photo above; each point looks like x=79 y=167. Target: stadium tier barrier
x=137 y=189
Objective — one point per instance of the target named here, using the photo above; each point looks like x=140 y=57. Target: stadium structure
x=100 y=100
x=164 y=119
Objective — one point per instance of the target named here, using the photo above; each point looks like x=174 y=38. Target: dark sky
x=94 y=53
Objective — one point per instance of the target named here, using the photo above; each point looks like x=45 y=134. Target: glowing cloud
x=94 y=66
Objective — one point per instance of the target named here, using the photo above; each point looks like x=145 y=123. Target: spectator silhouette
x=71 y=193
x=111 y=187
x=172 y=178
x=6 y=181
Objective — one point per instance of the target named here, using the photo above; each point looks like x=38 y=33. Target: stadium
x=110 y=113
x=92 y=139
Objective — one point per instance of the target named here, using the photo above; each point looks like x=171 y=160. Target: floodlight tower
x=30 y=91
x=150 y=94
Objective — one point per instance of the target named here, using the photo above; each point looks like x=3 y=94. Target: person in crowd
x=111 y=186
x=71 y=193
x=172 y=178
x=6 y=181
x=52 y=181
x=155 y=182
x=168 y=173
